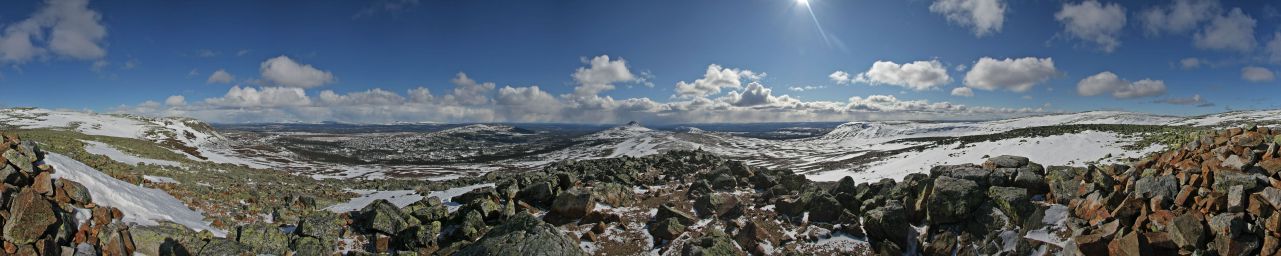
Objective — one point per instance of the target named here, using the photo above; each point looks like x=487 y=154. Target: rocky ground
x=1213 y=195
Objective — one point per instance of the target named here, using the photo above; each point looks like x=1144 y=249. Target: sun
x=803 y=2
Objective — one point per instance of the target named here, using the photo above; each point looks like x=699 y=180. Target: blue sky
x=135 y=56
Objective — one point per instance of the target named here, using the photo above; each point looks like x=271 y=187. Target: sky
x=715 y=61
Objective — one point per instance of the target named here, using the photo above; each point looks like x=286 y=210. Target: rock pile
x=40 y=213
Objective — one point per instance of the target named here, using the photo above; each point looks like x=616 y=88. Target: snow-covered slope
x=145 y=206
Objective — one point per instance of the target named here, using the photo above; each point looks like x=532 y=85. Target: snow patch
x=99 y=148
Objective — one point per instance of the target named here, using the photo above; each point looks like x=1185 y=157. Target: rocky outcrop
x=523 y=234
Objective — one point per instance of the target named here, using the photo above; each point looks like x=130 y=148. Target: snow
x=401 y=198
x=87 y=123
x=1065 y=149
x=143 y=206
x=99 y=148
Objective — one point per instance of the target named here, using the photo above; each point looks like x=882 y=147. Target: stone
x=824 y=208
x=1014 y=202
x=1248 y=140
x=887 y=223
x=715 y=204
x=667 y=211
x=667 y=229
x=724 y=182
x=1224 y=180
x=473 y=226
x=1132 y=244
x=1149 y=187
x=715 y=244
x=42 y=184
x=383 y=216
x=76 y=191
x=1188 y=231
x=541 y=193
x=953 y=200
x=1236 y=199
x=1005 y=161
x=264 y=238
x=1033 y=182
x=324 y=225
x=1228 y=224
x=30 y=217
x=428 y=209
x=573 y=204
x=1272 y=166
x=1239 y=245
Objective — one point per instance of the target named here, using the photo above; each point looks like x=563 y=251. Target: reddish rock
x=42 y=184
x=1132 y=244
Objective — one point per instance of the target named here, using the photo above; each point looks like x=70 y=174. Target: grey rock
x=953 y=200
x=1149 y=187
x=524 y=235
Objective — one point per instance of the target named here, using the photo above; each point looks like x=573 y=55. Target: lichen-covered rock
x=887 y=223
x=666 y=211
x=573 y=204
x=1014 y=202
x=428 y=209
x=667 y=228
x=524 y=235
x=31 y=216
x=1005 y=161
x=383 y=216
x=264 y=238
x=1149 y=187
x=953 y=199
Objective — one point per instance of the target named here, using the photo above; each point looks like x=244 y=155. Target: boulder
x=1005 y=161
x=428 y=209
x=264 y=238
x=319 y=224
x=724 y=182
x=541 y=193
x=573 y=204
x=887 y=223
x=383 y=216
x=472 y=226
x=667 y=211
x=1149 y=187
x=30 y=217
x=1132 y=244
x=75 y=191
x=715 y=244
x=953 y=200
x=667 y=229
x=715 y=204
x=1014 y=202
x=1224 y=180
x=824 y=208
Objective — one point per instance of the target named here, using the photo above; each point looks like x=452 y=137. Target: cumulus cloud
x=371 y=97
x=176 y=100
x=1179 y=17
x=840 y=77
x=805 y=88
x=284 y=71
x=715 y=79
x=266 y=97
x=601 y=75
x=963 y=92
x=755 y=94
x=1108 y=82
x=1257 y=74
x=220 y=77
x=62 y=28
x=1233 y=31
x=1094 y=22
x=917 y=75
x=420 y=95
x=1194 y=100
x=1274 y=48
x=468 y=91
x=984 y=17
x=1016 y=75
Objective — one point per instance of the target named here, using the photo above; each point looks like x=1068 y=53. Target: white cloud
x=715 y=79
x=1094 y=22
x=1181 y=16
x=840 y=77
x=1257 y=74
x=1190 y=63
x=805 y=88
x=1274 y=48
x=963 y=92
x=985 y=17
x=528 y=102
x=64 y=28
x=266 y=97
x=1108 y=82
x=601 y=75
x=1234 y=31
x=468 y=91
x=754 y=95
x=371 y=97
x=1016 y=75
x=176 y=100
x=220 y=77
x=420 y=95
x=283 y=71
x=917 y=75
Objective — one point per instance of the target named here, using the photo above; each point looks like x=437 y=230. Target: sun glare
x=803 y=2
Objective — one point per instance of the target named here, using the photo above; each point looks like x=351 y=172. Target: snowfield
x=402 y=198
x=143 y=206
x=99 y=148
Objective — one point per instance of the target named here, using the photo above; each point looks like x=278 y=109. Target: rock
x=1149 y=187
x=715 y=205
x=320 y=224
x=1248 y=140
x=541 y=193
x=887 y=223
x=166 y=239
x=473 y=226
x=1271 y=195
x=1005 y=161
x=1236 y=199
x=1132 y=244
x=311 y=246
x=793 y=205
x=42 y=184
x=1014 y=202
x=824 y=208
x=1235 y=163
x=667 y=229
x=724 y=182
x=1240 y=245
x=716 y=244
x=30 y=217
x=573 y=204
x=264 y=238
x=1224 y=180
x=1228 y=224
x=384 y=217
x=1033 y=182
x=428 y=209
x=418 y=236
x=75 y=191
x=667 y=211
x=953 y=200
